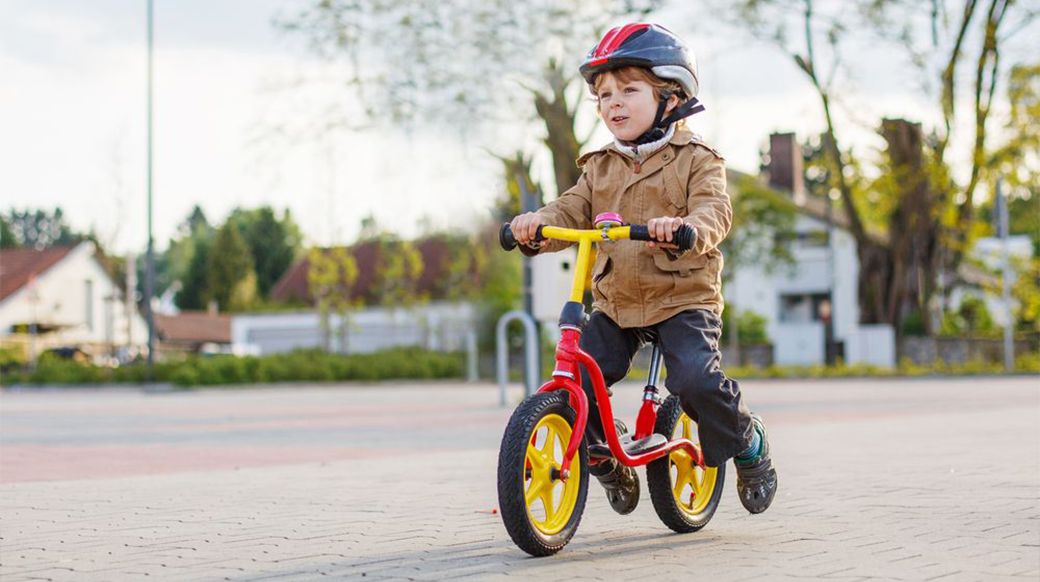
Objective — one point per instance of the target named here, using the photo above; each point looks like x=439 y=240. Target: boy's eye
x=631 y=90
x=604 y=95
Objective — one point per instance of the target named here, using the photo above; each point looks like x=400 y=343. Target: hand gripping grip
x=683 y=237
x=508 y=241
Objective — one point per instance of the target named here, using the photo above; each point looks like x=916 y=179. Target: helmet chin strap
x=659 y=127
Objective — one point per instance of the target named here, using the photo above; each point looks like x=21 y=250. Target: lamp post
x=149 y=275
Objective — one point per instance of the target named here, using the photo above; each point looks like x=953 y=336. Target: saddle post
x=651 y=398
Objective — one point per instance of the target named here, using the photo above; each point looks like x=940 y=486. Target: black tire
x=660 y=479
x=530 y=535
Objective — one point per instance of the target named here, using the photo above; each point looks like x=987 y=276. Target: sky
x=228 y=82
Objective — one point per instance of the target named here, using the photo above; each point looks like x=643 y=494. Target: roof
x=811 y=206
x=435 y=254
x=19 y=266
x=194 y=327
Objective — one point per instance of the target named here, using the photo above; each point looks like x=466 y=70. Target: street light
x=149 y=275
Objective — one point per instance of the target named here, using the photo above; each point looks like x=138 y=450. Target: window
x=802 y=308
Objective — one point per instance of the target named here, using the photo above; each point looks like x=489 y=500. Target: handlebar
x=683 y=237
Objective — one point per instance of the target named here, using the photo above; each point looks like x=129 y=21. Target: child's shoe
x=756 y=477
x=621 y=483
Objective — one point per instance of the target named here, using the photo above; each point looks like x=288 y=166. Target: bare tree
x=467 y=65
x=931 y=218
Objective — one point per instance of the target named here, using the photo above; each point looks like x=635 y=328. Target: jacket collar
x=643 y=151
x=680 y=137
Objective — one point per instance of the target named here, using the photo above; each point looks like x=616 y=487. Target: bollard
x=471 y=356
x=530 y=353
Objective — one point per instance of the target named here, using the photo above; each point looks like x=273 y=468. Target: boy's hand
x=525 y=226
x=662 y=229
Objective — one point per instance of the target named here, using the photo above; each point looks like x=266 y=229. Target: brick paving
x=881 y=479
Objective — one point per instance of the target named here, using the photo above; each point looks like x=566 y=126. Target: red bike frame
x=566 y=377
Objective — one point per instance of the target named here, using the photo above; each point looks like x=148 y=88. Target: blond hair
x=632 y=73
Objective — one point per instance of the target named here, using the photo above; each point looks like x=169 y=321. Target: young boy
x=657 y=172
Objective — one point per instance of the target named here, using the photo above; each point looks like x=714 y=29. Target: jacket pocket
x=684 y=279
x=599 y=271
x=681 y=266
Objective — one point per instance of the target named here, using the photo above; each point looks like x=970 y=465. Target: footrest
x=631 y=447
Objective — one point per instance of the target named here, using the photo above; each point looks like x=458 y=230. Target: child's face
x=627 y=107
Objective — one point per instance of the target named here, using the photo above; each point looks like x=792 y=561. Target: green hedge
x=299 y=366
x=1024 y=364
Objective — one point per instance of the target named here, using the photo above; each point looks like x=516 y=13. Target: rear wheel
x=685 y=496
x=540 y=510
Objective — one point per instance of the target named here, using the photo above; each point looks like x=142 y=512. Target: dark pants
x=689 y=342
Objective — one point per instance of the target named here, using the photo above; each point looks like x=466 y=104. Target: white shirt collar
x=643 y=151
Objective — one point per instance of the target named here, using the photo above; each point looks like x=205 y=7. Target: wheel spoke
x=550 y=441
x=534 y=456
x=546 y=495
x=687 y=428
x=682 y=478
x=534 y=491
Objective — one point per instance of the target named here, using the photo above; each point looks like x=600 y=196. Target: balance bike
x=543 y=462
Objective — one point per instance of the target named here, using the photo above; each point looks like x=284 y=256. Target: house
x=62 y=297
x=195 y=332
x=436 y=325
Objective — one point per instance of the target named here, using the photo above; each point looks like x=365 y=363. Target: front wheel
x=541 y=511
x=685 y=496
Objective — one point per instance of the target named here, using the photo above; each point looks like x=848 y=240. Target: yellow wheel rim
x=692 y=486
x=550 y=502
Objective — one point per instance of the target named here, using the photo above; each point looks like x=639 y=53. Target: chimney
x=785 y=166
x=212 y=308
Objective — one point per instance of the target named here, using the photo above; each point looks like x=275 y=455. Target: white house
x=63 y=297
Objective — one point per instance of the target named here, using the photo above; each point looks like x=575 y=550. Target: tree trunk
x=914 y=226
x=559 y=126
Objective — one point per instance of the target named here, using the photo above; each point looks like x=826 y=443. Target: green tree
x=184 y=260
x=397 y=270
x=7 y=237
x=40 y=229
x=231 y=280
x=273 y=242
x=195 y=290
x=331 y=277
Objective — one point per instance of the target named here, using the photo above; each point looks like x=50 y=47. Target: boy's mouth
x=618 y=118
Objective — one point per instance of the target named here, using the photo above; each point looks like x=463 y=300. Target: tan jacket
x=634 y=285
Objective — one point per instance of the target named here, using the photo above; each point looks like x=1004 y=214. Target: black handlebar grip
x=683 y=237
x=639 y=232
x=506 y=239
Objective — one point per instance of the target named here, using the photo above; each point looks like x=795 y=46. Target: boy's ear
x=673 y=102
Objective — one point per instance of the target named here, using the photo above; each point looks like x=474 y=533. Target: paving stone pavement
x=879 y=480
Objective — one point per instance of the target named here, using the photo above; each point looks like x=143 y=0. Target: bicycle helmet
x=652 y=47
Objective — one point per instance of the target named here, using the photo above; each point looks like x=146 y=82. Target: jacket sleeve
x=570 y=210
x=708 y=204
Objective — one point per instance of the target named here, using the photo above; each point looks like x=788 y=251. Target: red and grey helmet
x=650 y=46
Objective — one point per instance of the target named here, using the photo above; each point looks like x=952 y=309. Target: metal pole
x=529 y=202
x=1005 y=277
x=149 y=277
x=829 y=355
x=530 y=353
